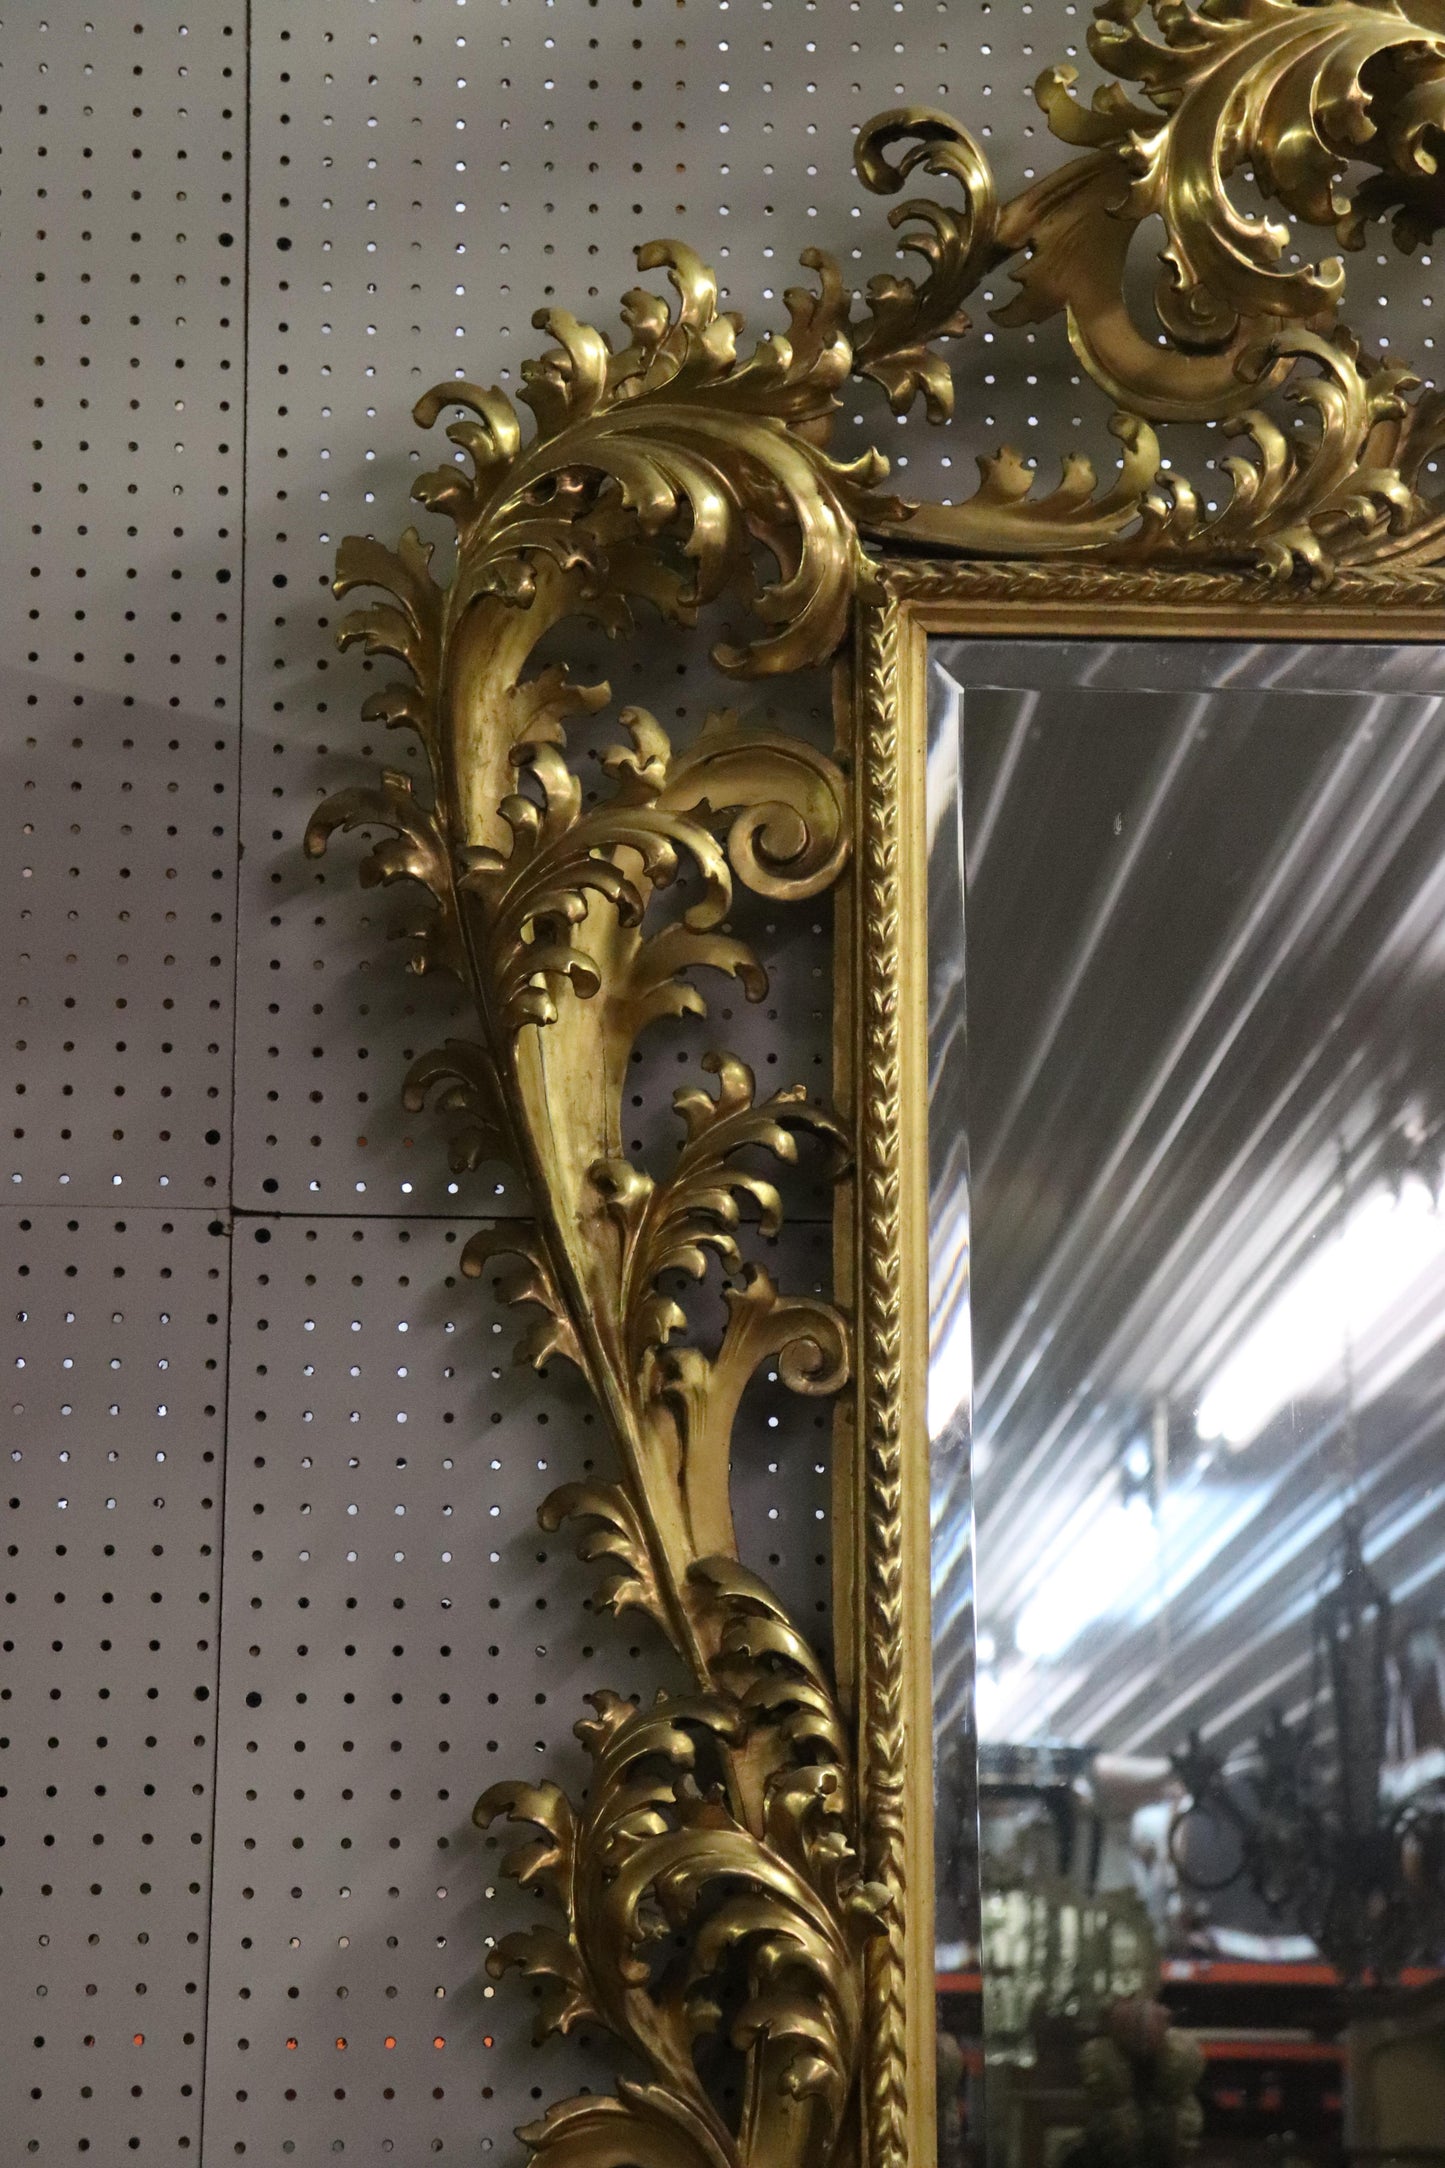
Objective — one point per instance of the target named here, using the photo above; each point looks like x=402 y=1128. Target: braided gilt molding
x=1409 y=592
x=879 y=1251
x=733 y=1899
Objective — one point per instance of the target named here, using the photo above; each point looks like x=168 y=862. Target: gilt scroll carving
x=727 y=1900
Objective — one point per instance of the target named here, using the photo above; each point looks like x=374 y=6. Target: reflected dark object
x=952 y=2134
x=1140 y=2080
x=1317 y=1838
x=956 y=1854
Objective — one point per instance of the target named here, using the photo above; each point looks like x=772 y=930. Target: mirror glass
x=1187 y=1400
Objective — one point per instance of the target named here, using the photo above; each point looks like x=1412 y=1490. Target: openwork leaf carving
x=692 y=440
x=671 y=1226
x=895 y=345
x=1293 y=93
x=774 y=1672
x=691 y=1912
x=651 y=477
x=531 y=1281
x=710 y=1905
x=641 y=2126
x=537 y=895
x=413 y=848
x=788 y=837
x=471 y=1086
x=614 y=1533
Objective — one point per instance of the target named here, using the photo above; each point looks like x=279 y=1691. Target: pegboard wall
x=275 y=1603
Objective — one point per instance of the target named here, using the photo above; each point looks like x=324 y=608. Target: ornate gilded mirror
x=1134 y=823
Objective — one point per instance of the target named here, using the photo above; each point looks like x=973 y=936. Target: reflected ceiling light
x=1138 y=1461
x=1347 y=1285
x=950 y=1371
x=1097 y=1574
x=988 y=1698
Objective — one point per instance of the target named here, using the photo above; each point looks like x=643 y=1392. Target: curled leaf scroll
x=712 y=1909
x=1291 y=95
x=724 y=1816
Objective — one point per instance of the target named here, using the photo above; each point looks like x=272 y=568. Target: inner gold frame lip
x=881 y=1513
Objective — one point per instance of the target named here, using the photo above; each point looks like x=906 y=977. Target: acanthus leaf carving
x=688 y=439
x=471 y=1086
x=729 y=1887
x=530 y=1282
x=1293 y=94
x=640 y=2126
x=772 y=1917
x=771 y=1909
x=894 y=346
x=612 y=1532
x=545 y=906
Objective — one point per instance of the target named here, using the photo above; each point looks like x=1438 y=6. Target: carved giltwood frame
x=743 y=1893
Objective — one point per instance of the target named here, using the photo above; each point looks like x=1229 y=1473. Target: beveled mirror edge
x=880 y=1031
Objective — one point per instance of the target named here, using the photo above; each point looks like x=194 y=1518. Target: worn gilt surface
x=728 y=1899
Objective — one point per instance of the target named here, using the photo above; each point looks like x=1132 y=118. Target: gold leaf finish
x=1290 y=93
x=743 y=1898
x=677 y=427
x=880 y=1029
x=722 y=1822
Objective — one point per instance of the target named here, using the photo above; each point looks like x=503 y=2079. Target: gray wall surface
x=276 y=1607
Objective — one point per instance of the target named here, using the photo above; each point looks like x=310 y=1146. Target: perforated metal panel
x=114 y=1352
x=390 y=1644
x=122 y=391
x=423 y=174
x=121 y=396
